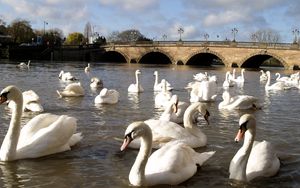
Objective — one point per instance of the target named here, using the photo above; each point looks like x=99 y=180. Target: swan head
x=174 y=100
x=201 y=108
x=135 y=130
x=138 y=72
x=246 y=123
x=11 y=93
x=155 y=73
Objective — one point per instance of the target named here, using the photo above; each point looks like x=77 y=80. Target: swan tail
x=75 y=138
x=201 y=158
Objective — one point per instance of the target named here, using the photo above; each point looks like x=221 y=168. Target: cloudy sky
x=155 y=18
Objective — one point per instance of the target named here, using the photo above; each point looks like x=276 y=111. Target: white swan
x=66 y=76
x=87 y=69
x=159 y=86
x=72 y=90
x=241 y=102
x=23 y=65
x=31 y=102
x=106 y=96
x=253 y=159
x=227 y=82
x=165 y=131
x=263 y=76
x=205 y=91
x=281 y=79
x=136 y=88
x=96 y=83
x=174 y=111
x=163 y=97
x=44 y=134
x=172 y=164
x=241 y=78
x=276 y=85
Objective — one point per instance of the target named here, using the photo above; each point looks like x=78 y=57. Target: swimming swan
x=174 y=110
x=276 y=85
x=165 y=131
x=23 y=65
x=107 y=96
x=66 y=76
x=172 y=164
x=31 y=102
x=136 y=88
x=44 y=134
x=240 y=102
x=159 y=86
x=253 y=159
x=87 y=69
x=96 y=83
x=72 y=90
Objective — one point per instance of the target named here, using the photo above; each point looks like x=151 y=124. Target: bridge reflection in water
x=206 y=53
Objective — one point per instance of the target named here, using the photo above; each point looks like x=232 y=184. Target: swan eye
x=3 y=97
x=243 y=126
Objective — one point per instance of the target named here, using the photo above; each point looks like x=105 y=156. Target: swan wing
x=242 y=102
x=29 y=96
x=263 y=161
x=173 y=164
x=50 y=134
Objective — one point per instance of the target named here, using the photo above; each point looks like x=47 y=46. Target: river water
x=97 y=162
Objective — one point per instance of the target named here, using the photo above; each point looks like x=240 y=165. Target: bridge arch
x=210 y=57
x=255 y=60
x=115 y=55
x=158 y=56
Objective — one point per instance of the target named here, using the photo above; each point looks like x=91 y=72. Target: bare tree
x=265 y=36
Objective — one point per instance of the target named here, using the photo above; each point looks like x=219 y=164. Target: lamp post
x=234 y=31
x=295 y=33
x=206 y=36
x=180 y=31
x=133 y=35
x=164 y=37
x=45 y=23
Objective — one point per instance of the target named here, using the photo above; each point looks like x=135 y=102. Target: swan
x=72 y=90
x=107 y=96
x=96 y=83
x=88 y=68
x=31 y=102
x=136 y=88
x=239 y=79
x=44 y=134
x=66 y=76
x=23 y=65
x=164 y=96
x=276 y=85
x=281 y=79
x=227 y=82
x=165 y=131
x=205 y=91
x=253 y=159
x=263 y=76
x=200 y=76
x=158 y=86
x=241 y=102
x=172 y=164
x=174 y=110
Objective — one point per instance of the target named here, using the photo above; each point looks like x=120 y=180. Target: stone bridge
x=207 y=53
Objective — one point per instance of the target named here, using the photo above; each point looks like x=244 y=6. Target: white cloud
x=223 y=18
x=131 y=5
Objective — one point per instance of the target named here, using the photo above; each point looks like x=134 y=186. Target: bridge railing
x=205 y=44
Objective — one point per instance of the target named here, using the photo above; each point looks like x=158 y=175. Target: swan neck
x=137 y=172
x=156 y=79
x=137 y=79
x=188 y=117
x=238 y=164
x=10 y=142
